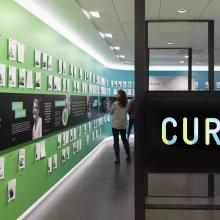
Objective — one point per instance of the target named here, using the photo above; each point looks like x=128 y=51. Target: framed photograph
x=74 y=134
x=55 y=161
x=42 y=150
x=37 y=58
x=80 y=74
x=129 y=92
x=67 y=153
x=38 y=151
x=206 y=85
x=50 y=164
x=64 y=68
x=71 y=135
x=22 y=78
x=112 y=83
x=21 y=51
x=2 y=75
x=44 y=61
x=125 y=84
x=12 y=49
x=12 y=78
x=21 y=160
x=2 y=168
x=11 y=190
x=119 y=83
x=115 y=92
x=57 y=83
x=90 y=77
x=67 y=137
x=63 y=155
x=50 y=82
x=196 y=85
x=129 y=83
x=217 y=85
x=74 y=148
x=64 y=85
x=68 y=85
x=50 y=63
x=64 y=138
x=38 y=80
x=60 y=66
x=74 y=86
x=87 y=139
x=71 y=70
x=29 y=81
x=59 y=141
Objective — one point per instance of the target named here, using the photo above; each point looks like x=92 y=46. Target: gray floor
x=99 y=190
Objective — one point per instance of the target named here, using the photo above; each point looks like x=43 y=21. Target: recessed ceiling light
x=182 y=10
x=95 y=14
x=170 y=43
x=86 y=13
x=117 y=48
x=121 y=56
x=112 y=48
x=109 y=35
x=182 y=61
x=186 y=56
x=102 y=34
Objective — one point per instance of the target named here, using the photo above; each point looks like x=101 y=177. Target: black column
x=211 y=59
x=140 y=90
x=190 y=69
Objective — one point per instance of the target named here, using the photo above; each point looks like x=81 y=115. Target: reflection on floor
x=97 y=190
x=100 y=190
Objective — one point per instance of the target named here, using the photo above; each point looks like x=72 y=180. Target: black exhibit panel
x=31 y=116
x=182 y=132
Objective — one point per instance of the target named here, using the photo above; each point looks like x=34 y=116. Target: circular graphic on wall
x=65 y=116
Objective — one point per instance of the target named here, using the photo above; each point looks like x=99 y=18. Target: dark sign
x=25 y=117
x=182 y=132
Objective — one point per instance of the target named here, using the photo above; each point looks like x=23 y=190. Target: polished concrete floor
x=100 y=190
x=97 y=190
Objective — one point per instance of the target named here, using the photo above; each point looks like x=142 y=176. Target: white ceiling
x=117 y=17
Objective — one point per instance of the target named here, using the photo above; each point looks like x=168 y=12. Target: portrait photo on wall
x=22 y=78
x=37 y=58
x=2 y=75
x=60 y=66
x=37 y=125
x=12 y=49
x=50 y=63
x=21 y=160
x=54 y=161
x=50 y=83
x=12 y=77
x=11 y=190
x=50 y=164
x=38 y=80
x=44 y=61
x=21 y=52
x=2 y=168
x=29 y=79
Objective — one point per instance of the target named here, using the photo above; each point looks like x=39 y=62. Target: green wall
x=34 y=180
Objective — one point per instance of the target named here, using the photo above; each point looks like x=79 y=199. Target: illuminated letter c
x=164 y=131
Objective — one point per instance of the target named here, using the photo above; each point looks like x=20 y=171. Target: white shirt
x=119 y=116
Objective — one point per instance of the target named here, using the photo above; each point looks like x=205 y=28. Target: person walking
x=131 y=113
x=119 y=123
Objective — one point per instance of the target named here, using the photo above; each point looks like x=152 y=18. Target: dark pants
x=116 y=133
x=130 y=125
